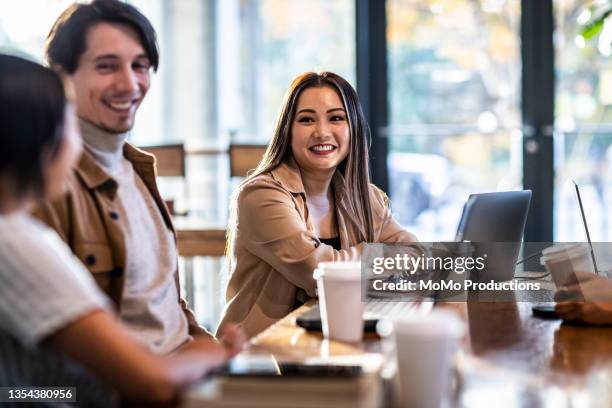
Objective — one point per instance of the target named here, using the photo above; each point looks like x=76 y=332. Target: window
x=454 y=71
x=583 y=131
x=280 y=39
x=23 y=31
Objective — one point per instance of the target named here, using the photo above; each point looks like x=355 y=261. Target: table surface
x=507 y=356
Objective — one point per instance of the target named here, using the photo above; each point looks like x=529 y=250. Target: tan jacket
x=85 y=219
x=275 y=248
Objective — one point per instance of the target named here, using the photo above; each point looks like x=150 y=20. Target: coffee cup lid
x=340 y=265
x=338 y=270
x=437 y=323
x=564 y=251
x=563 y=247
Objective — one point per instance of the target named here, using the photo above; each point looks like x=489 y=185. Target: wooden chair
x=195 y=241
x=244 y=157
x=170 y=159
x=170 y=162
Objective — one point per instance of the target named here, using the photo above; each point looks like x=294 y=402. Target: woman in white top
x=56 y=327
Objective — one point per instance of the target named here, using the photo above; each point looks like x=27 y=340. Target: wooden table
x=508 y=358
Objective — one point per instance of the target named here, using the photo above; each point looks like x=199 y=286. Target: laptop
x=586 y=227
x=547 y=311
x=497 y=222
x=488 y=217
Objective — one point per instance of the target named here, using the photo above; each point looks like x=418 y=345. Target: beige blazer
x=275 y=249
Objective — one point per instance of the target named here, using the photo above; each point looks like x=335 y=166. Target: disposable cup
x=424 y=348
x=562 y=261
x=339 y=288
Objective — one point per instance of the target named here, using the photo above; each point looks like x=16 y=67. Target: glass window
x=583 y=124
x=279 y=39
x=23 y=31
x=454 y=72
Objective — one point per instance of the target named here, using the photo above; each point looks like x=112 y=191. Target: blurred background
x=463 y=96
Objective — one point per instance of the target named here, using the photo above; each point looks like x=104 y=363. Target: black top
x=333 y=242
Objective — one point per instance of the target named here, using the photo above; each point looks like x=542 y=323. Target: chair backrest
x=170 y=159
x=200 y=241
x=244 y=157
x=170 y=162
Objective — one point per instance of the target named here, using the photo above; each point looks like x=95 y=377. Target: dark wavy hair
x=355 y=168
x=33 y=102
x=66 y=41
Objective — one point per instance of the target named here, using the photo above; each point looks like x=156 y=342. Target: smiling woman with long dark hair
x=310 y=200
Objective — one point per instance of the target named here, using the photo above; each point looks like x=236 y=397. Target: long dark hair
x=355 y=168
x=33 y=103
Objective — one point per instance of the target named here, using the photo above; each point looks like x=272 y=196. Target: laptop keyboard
x=379 y=308
x=374 y=310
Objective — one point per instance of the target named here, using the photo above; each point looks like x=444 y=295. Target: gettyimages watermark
x=466 y=271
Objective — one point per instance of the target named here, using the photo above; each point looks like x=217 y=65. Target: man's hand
x=230 y=342
x=206 y=344
x=233 y=339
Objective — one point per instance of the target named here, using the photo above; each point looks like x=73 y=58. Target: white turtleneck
x=106 y=148
x=149 y=304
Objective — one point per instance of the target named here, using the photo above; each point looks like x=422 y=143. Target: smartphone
x=257 y=366
x=545 y=312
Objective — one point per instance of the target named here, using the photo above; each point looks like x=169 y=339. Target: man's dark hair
x=66 y=41
x=33 y=102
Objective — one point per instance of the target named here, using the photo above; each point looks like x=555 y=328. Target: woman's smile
x=320 y=135
x=323 y=149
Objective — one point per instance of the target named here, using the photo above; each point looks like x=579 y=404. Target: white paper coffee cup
x=339 y=288
x=424 y=347
x=563 y=260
